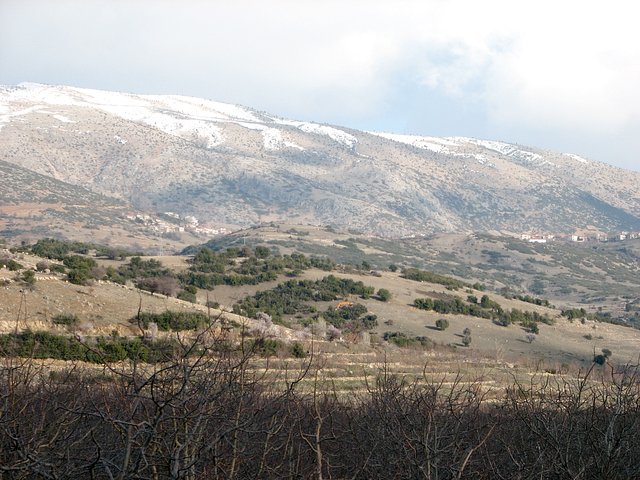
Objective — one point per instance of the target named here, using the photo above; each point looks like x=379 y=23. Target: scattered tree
x=466 y=337
x=29 y=278
x=384 y=295
x=442 y=324
x=297 y=350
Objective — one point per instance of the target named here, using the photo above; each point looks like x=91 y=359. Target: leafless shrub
x=42 y=266
x=263 y=326
x=208 y=413
x=165 y=285
x=333 y=333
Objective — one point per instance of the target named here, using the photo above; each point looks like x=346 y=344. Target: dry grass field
x=104 y=307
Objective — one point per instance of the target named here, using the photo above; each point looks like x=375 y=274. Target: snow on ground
x=149 y=110
x=6 y=117
x=433 y=144
x=37 y=93
x=202 y=109
x=196 y=119
x=576 y=157
x=500 y=147
x=334 y=134
x=253 y=126
x=510 y=151
x=62 y=118
x=530 y=157
x=273 y=140
x=272 y=137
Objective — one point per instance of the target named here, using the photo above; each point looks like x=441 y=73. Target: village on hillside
x=582 y=237
x=170 y=222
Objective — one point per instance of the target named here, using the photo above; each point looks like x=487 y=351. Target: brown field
x=105 y=306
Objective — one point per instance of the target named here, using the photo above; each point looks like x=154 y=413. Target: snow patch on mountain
x=273 y=140
x=500 y=147
x=434 y=144
x=7 y=115
x=334 y=134
x=577 y=158
x=272 y=137
x=172 y=114
x=198 y=108
x=62 y=118
x=511 y=151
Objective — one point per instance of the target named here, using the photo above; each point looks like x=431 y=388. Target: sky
x=561 y=75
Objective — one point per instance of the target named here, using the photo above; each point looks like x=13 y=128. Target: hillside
x=602 y=276
x=34 y=205
x=322 y=357
x=302 y=297
x=232 y=166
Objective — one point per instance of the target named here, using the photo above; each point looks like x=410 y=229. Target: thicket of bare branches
x=208 y=414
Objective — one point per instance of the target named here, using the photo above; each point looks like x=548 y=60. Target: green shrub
x=13 y=266
x=266 y=347
x=442 y=324
x=29 y=277
x=103 y=349
x=574 y=313
x=430 y=277
x=339 y=316
x=78 y=276
x=187 y=296
x=398 y=338
x=384 y=295
x=403 y=340
x=291 y=297
x=297 y=350
x=466 y=338
x=56 y=267
x=262 y=252
x=171 y=320
x=67 y=319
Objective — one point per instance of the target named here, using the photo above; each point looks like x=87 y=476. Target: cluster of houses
x=594 y=237
x=170 y=222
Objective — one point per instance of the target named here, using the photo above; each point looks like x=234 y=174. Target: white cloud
x=570 y=66
x=578 y=66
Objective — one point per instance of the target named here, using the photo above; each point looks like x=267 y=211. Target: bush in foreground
x=223 y=415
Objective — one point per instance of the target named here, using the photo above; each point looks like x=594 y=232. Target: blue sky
x=556 y=75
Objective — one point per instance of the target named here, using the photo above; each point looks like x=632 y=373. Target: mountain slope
x=35 y=205
x=232 y=165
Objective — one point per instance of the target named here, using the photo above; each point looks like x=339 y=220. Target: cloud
x=577 y=66
x=571 y=67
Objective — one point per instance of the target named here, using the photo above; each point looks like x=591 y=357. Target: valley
x=194 y=289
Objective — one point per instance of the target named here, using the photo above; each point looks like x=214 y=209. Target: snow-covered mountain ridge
x=235 y=165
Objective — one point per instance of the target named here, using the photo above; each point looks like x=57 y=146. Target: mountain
x=34 y=205
x=234 y=166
